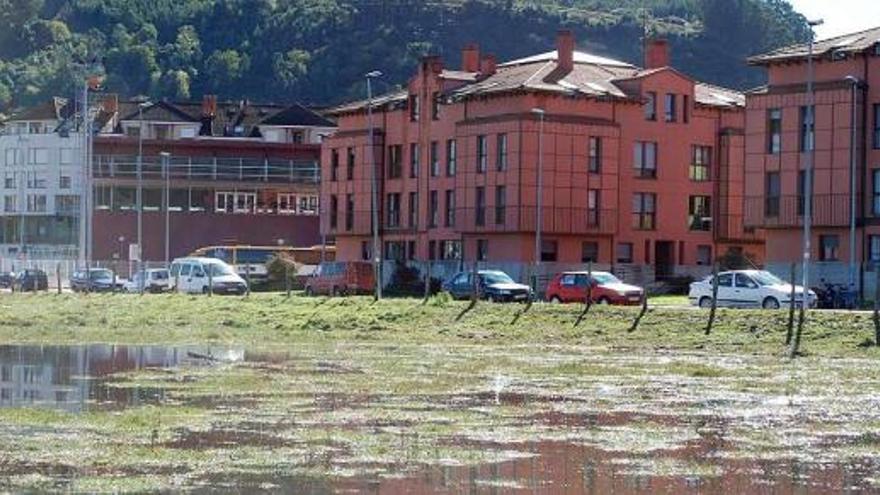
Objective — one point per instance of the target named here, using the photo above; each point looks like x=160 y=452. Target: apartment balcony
x=209 y=169
x=829 y=210
x=555 y=220
x=733 y=228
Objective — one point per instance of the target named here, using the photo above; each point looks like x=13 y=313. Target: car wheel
x=604 y=301
x=706 y=302
x=555 y=300
x=771 y=303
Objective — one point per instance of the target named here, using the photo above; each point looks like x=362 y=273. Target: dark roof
x=591 y=75
x=156 y=111
x=53 y=109
x=847 y=43
x=297 y=115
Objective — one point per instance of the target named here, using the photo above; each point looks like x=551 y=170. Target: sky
x=840 y=16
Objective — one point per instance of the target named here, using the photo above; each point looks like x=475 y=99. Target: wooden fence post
x=210 y=282
x=877 y=306
x=802 y=316
x=641 y=314
x=247 y=275
x=58 y=276
x=287 y=279
x=475 y=288
x=714 y=299
x=427 y=282
x=588 y=299
x=791 y=303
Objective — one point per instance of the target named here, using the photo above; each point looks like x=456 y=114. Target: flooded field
x=337 y=418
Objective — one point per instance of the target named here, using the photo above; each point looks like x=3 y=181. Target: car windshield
x=605 y=278
x=101 y=274
x=766 y=278
x=219 y=270
x=496 y=278
x=161 y=275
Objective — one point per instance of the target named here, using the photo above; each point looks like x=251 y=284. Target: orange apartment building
x=846 y=133
x=641 y=166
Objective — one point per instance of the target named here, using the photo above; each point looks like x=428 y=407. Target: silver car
x=748 y=289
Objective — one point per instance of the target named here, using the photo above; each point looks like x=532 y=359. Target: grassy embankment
x=273 y=319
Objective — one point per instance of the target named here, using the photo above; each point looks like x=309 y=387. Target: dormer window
x=414 y=108
x=650 y=105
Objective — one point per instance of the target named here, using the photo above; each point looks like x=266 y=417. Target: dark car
x=493 y=285
x=31 y=280
x=94 y=280
x=6 y=280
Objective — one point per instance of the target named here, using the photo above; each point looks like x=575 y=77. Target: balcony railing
x=829 y=210
x=206 y=168
x=733 y=228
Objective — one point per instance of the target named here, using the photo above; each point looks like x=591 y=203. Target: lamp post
x=808 y=170
x=140 y=194
x=539 y=216
x=377 y=257
x=166 y=171
x=855 y=82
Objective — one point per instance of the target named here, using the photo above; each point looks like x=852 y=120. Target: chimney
x=432 y=64
x=488 y=65
x=470 y=58
x=565 y=50
x=209 y=105
x=110 y=104
x=657 y=54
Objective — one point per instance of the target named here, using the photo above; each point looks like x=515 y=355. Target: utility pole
x=140 y=196
x=539 y=213
x=166 y=169
x=377 y=251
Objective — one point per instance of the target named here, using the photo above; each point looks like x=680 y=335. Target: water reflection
x=74 y=378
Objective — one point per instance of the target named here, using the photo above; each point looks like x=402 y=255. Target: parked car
x=569 y=287
x=31 y=280
x=95 y=280
x=155 y=280
x=493 y=285
x=203 y=275
x=339 y=278
x=6 y=280
x=748 y=288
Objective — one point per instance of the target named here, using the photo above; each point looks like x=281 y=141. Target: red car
x=341 y=278
x=571 y=287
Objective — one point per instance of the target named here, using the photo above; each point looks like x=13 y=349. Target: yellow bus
x=253 y=259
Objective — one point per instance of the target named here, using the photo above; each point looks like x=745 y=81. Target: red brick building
x=846 y=132
x=640 y=166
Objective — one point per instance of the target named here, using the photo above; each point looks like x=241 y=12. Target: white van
x=193 y=276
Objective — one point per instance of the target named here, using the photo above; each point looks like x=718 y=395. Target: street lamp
x=377 y=259
x=140 y=193
x=539 y=216
x=808 y=168
x=855 y=82
x=166 y=171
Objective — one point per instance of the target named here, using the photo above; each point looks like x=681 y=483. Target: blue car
x=494 y=285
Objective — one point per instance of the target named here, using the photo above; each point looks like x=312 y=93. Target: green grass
x=273 y=319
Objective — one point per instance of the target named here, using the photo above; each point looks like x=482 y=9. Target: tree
x=224 y=68
x=289 y=67
x=175 y=84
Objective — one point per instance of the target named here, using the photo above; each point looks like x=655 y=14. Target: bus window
x=253 y=256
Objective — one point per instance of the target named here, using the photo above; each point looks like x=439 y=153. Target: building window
x=414 y=108
x=65 y=182
x=877 y=125
x=644 y=208
x=433 y=209
x=286 y=203
x=829 y=247
x=625 y=252
x=450 y=208
x=9 y=203
x=413 y=160
x=875 y=193
x=395 y=161
x=435 y=159
x=35 y=181
x=482 y=154
x=595 y=155
x=481 y=207
x=874 y=248
x=802 y=188
x=772 y=191
x=334 y=165
x=704 y=255
x=593 y=202
x=482 y=249
x=774 y=130
x=701 y=163
x=549 y=251
x=232 y=202
x=450 y=250
x=36 y=203
x=435 y=106
x=393 y=218
x=349 y=165
x=349 y=212
x=671 y=112
x=650 y=106
x=9 y=180
x=365 y=251
x=395 y=250
x=500 y=205
x=686 y=109
x=432 y=250
x=589 y=252
x=334 y=212
x=501 y=159
x=645 y=159
x=808 y=129
x=413 y=209
x=700 y=213
x=451 y=152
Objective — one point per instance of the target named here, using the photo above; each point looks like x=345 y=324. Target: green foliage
x=318 y=50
